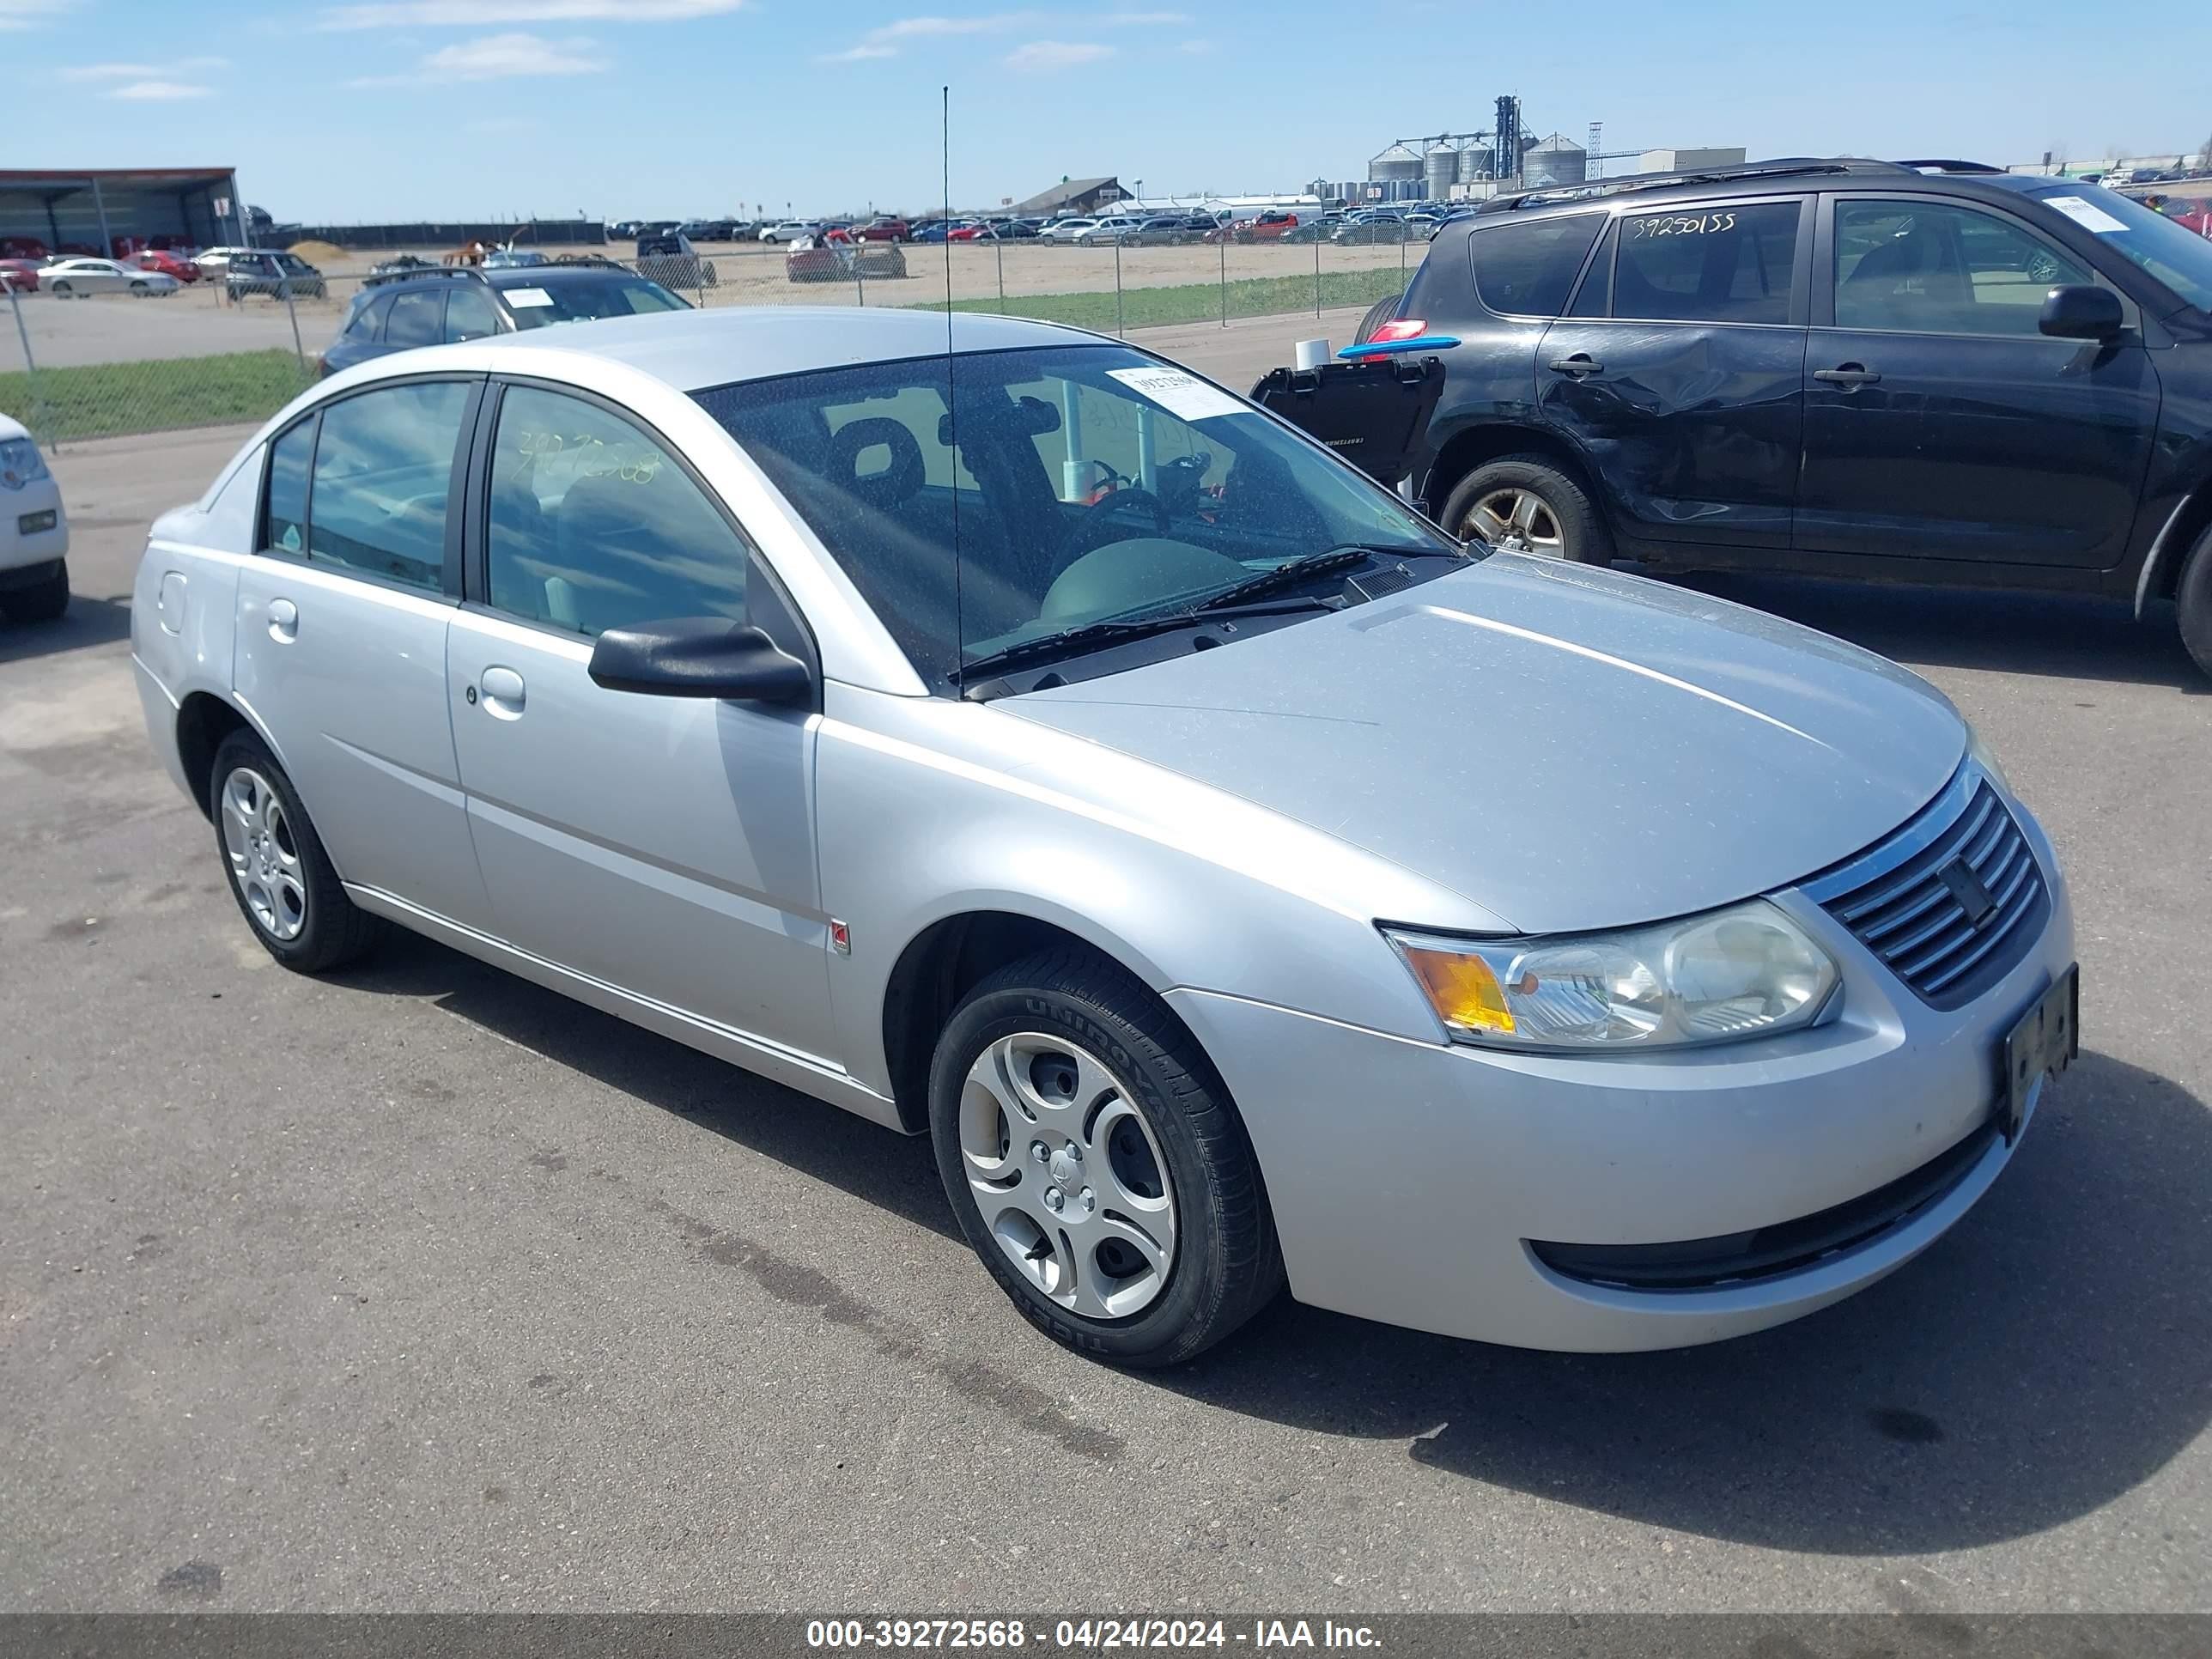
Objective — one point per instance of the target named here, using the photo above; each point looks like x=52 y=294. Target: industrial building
x=100 y=209
x=1505 y=156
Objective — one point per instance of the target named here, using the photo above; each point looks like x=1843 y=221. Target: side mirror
x=2081 y=312
x=699 y=657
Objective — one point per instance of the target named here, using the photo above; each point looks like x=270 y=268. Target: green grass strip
x=109 y=400
x=1194 y=302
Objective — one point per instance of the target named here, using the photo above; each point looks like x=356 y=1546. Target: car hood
x=1567 y=748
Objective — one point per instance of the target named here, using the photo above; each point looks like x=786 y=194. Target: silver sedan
x=1026 y=743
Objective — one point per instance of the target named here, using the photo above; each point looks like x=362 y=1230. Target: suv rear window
x=1707 y=265
x=1528 y=270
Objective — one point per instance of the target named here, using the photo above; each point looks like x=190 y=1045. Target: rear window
x=1528 y=270
x=552 y=301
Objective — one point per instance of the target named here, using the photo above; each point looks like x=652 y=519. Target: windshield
x=1089 y=483
x=2176 y=257
x=580 y=303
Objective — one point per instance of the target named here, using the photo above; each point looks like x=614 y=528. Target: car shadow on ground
x=2064 y=635
x=87 y=621
x=894 y=1172
x=2043 y=1358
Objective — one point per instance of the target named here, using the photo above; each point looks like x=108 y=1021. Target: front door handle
x=1580 y=363
x=1847 y=376
x=283 y=621
x=503 y=691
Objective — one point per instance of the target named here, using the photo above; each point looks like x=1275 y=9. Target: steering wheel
x=1079 y=540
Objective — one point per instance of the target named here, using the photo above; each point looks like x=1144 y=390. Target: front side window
x=1062 y=487
x=414 y=318
x=1926 y=267
x=2153 y=243
x=593 y=525
x=1707 y=265
x=284 y=519
x=383 y=468
x=1527 y=269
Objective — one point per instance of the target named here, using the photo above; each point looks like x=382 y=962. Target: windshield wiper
x=1075 y=642
x=1342 y=556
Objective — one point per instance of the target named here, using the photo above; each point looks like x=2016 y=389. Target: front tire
x=282 y=879
x=1097 y=1164
x=2192 y=599
x=42 y=602
x=1526 y=504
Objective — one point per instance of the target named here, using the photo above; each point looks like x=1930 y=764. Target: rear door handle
x=503 y=691
x=283 y=621
x=1580 y=363
x=1847 y=376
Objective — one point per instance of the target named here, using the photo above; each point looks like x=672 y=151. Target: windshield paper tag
x=528 y=296
x=2087 y=214
x=1182 y=395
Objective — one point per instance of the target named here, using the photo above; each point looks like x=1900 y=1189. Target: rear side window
x=368 y=321
x=1707 y=265
x=1528 y=269
x=414 y=318
x=469 y=313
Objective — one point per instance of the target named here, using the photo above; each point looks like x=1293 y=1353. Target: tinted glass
x=575 y=302
x=1724 y=265
x=1924 y=267
x=383 y=468
x=414 y=317
x=469 y=313
x=1528 y=270
x=1074 y=494
x=285 y=522
x=593 y=525
x=2177 y=256
x=369 y=317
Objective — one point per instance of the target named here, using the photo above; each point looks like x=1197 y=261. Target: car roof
x=1788 y=176
x=693 y=349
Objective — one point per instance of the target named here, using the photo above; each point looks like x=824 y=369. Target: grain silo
x=1557 y=160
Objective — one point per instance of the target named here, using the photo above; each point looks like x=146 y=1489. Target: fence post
x=1225 y=276
x=999 y=247
x=300 y=351
x=37 y=412
x=859 y=278
x=1317 y=276
x=1118 y=329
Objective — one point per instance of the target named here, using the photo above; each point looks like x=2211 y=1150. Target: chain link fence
x=110 y=359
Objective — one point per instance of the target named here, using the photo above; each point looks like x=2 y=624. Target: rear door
x=1940 y=422
x=1679 y=371
x=340 y=650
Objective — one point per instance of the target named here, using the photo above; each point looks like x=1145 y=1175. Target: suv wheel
x=1525 y=504
x=43 y=601
x=282 y=880
x=1096 y=1165
x=2192 y=599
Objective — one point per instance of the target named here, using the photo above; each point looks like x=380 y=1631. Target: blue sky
x=346 y=110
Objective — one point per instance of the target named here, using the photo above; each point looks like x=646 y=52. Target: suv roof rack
x=1942 y=164
x=1790 y=167
x=413 y=271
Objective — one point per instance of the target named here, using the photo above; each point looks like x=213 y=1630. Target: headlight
x=1745 y=971
x=20 y=464
x=1979 y=753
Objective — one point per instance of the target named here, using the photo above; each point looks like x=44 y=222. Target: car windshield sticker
x=1182 y=395
x=528 y=296
x=2087 y=214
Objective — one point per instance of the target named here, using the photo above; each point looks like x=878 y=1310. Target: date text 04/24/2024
x=1089 y=1635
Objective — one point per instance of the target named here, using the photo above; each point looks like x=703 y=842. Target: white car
x=790 y=230
x=1066 y=230
x=214 y=261
x=1101 y=232
x=33 y=532
x=67 y=278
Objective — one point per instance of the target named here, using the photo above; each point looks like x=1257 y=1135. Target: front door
x=1684 y=389
x=1940 y=424
x=662 y=845
x=340 y=651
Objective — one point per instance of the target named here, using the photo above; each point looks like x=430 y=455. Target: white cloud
x=159 y=91
x=29 y=13
x=498 y=57
x=472 y=14
x=1038 y=57
x=143 y=71
x=885 y=42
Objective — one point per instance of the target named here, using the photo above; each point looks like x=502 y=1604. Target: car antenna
x=951 y=415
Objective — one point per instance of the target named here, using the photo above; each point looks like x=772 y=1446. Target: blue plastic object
x=1382 y=348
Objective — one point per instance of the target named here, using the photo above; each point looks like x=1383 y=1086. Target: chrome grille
x=1952 y=919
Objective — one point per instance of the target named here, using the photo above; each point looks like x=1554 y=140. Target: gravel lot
x=421 y=1287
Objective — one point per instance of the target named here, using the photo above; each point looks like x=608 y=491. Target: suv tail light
x=1398 y=328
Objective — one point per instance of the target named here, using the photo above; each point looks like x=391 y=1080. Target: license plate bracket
x=2044 y=1039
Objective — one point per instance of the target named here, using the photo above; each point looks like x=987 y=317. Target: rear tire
x=1377 y=314
x=1066 y=1051
x=2192 y=599
x=1527 y=504
x=61 y=290
x=283 y=881
x=43 y=602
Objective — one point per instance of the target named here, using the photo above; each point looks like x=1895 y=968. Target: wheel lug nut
x=1037 y=1151
x=1052 y=1198
x=1075 y=1152
x=1089 y=1201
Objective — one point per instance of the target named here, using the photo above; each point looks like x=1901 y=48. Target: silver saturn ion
x=1016 y=740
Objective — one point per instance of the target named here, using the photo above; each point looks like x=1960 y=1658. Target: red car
x=168 y=264
x=885 y=230
x=23 y=247
x=21 y=274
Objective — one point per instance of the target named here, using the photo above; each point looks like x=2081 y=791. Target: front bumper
x=1408 y=1179
x=22 y=549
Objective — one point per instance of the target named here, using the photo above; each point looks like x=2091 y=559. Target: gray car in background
x=1026 y=743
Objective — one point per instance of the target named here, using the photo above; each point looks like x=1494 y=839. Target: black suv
x=434 y=305
x=1930 y=371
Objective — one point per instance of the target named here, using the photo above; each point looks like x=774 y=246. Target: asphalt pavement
x=421 y=1287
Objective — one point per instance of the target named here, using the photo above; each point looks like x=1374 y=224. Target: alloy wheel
x=1517 y=519
x=264 y=862
x=1067 y=1174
